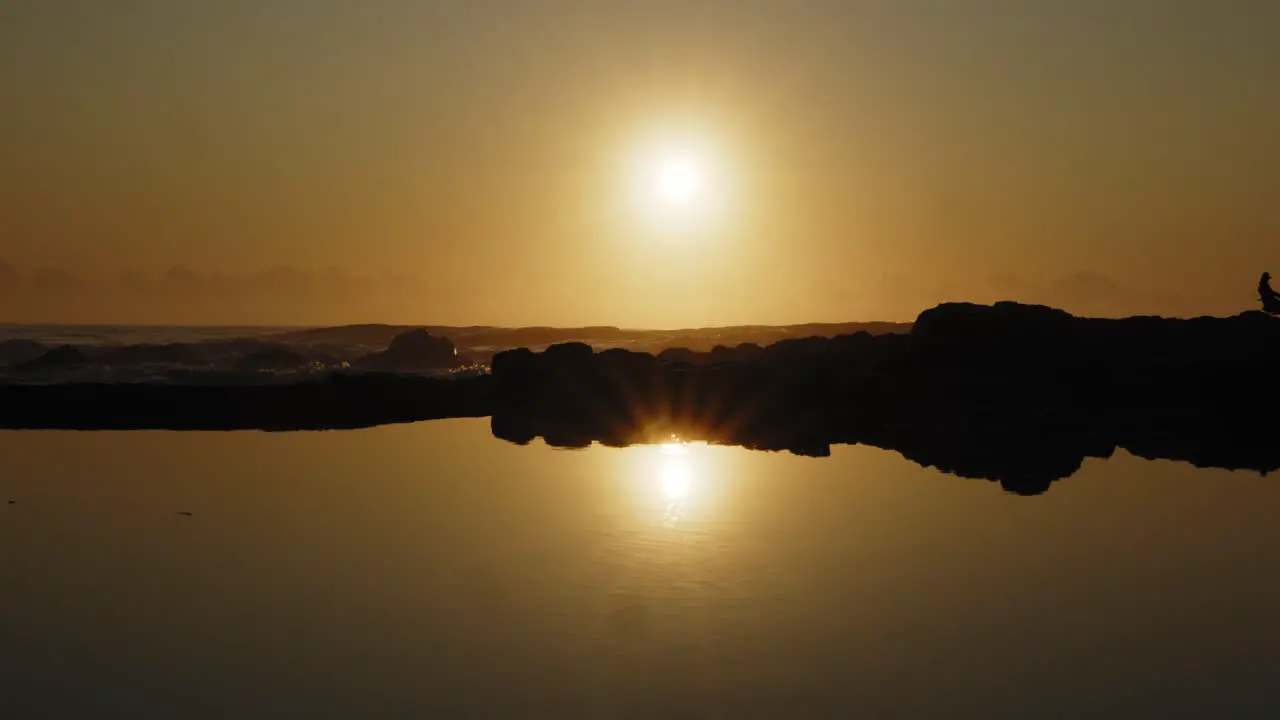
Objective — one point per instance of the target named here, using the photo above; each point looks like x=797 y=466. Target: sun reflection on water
x=676 y=479
x=673 y=447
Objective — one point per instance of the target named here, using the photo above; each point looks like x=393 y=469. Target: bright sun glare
x=676 y=479
x=677 y=183
x=679 y=180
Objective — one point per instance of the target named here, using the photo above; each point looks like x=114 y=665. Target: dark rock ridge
x=18 y=351
x=371 y=335
x=413 y=351
x=352 y=343
x=60 y=357
x=469 y=338
x=1013 y=393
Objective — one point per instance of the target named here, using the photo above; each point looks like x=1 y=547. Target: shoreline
x=1014 y=393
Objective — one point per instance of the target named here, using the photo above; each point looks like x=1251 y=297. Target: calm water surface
x=431 y=570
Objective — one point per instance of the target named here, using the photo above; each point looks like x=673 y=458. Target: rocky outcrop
x=1009 y=336
x=17 y=351
x=1021 y=394
x=58 y=358
x=369 y=335
x=1013 y=393
x=485 y=340
x=413 y=351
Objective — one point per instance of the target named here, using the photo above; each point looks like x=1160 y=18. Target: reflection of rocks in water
x=1012 y=393
x=1022 y=464
x=1025 y=458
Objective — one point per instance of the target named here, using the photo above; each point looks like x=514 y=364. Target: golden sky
x=475 y=161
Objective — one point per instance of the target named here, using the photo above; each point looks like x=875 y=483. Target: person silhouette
x=1270 y=298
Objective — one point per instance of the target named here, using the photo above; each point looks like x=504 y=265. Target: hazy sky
x=472 y=161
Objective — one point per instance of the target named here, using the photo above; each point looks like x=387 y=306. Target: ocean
x=435 y=569
x=432 y=570
x=99 y=335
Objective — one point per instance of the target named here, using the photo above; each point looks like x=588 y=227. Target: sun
x=678 y=184
x=679 y=180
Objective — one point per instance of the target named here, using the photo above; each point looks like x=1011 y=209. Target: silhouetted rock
x=514 y=364
x=63 y=356
x=689 y=342
x=368 y=335
x=413 y=351
x=678 y=354
x=17 y=351
x=974 y=324
x=481 y=342
x=1017 y=394
x=568 y=354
